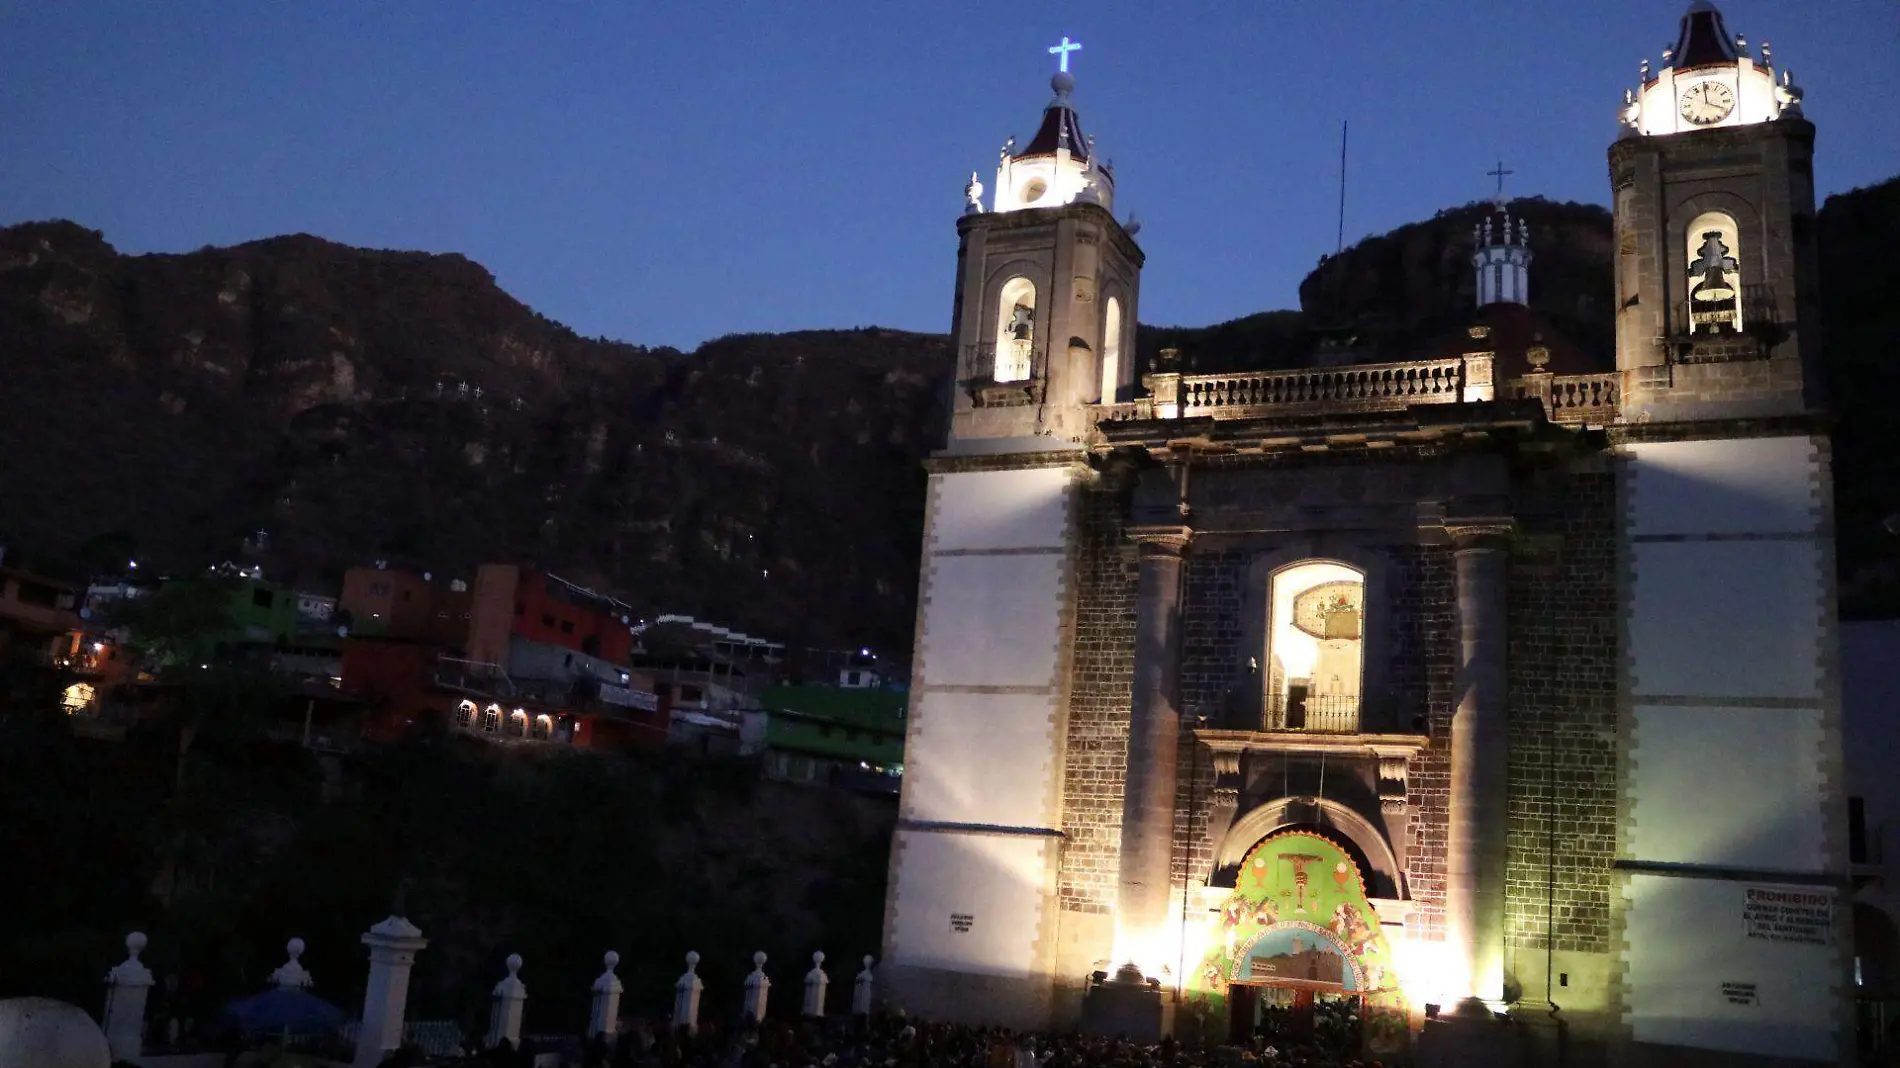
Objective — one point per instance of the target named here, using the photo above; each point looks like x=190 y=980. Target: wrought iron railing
x=1317 y=713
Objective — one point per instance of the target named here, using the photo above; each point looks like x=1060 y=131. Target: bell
x=1713 y=291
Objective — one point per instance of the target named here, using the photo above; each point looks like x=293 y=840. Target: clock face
x=1707 y=102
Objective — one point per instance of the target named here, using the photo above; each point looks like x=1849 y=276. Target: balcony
x=1312 y=713
x=1586 y=400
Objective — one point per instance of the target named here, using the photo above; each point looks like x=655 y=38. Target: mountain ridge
x=355 y=404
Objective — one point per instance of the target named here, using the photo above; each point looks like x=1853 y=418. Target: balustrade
x=1317 y=713
x=1368 y=385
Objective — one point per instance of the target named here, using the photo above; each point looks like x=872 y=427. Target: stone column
x=757 y=987
x=393 y=945
x=603 y=1016
x=1154 y=734
x=1474 y=854
x=510 y=998
x=127 y=987
x=863 y=989
x=815 y=983
x=686 y=993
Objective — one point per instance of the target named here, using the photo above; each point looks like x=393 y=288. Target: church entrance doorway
x=1297 y=949
x=1285 y=1016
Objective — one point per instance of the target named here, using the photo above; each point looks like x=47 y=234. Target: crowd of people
x=1328 y=1038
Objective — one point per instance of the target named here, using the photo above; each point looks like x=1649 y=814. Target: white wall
x=981 y=766
x=988 y=878
x=1686 y=939
x=1733 y=742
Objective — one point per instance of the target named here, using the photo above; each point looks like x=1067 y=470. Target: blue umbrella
x=290 y=1011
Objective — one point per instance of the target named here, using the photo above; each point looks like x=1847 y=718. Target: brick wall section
x=1099 y=698
x=1563 y=614
x=1424 y=603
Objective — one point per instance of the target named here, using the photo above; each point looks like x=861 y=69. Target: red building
x=516 y=654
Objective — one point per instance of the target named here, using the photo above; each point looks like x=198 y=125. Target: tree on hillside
x=179 y=620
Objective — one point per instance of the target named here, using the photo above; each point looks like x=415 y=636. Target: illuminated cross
x=1499 y=175
x=1062 y=51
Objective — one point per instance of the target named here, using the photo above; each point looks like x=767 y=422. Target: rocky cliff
x=354 y=404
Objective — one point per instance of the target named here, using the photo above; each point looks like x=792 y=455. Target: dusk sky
x=664 y=173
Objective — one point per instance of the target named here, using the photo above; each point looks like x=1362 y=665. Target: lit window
x=77 y=698
x=1316 y=648
x=465 y=714
x=491 y=719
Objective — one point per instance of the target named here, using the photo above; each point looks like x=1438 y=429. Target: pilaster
x=1475 y=850
x=1153 y=748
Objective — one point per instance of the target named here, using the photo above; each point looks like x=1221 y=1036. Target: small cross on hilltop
x=1499 y=174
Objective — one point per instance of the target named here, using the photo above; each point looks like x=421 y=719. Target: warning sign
x=1802 y=915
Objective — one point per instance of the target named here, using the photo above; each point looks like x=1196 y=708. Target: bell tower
x=1713 y=183
x=1047 y=282
x=1728 y=635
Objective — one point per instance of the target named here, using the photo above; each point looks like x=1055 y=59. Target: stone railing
x=1360 y=387
x=1588 y=399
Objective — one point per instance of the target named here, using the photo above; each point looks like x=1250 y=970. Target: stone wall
x=1563 y=612
x=1424 y=604
x=1100 y=687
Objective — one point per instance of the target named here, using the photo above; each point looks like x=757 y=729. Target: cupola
x=1502 y=257
x=1058 y=165
x=1708 y=79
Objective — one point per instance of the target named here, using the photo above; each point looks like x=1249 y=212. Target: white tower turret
x=1502 y=257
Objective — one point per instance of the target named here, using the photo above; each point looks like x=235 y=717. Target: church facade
x=1492 y=688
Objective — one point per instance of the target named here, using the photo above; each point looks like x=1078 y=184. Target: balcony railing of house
x=473 y=676
x=1316 y=713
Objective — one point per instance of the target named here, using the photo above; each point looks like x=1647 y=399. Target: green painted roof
x=859 y=724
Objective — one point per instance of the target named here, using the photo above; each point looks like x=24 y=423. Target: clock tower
x=1713 y=182
x=1728 y=620
x=1046 y=287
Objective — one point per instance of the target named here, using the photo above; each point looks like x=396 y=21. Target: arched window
x=1112 y=352
x=543 y=727
x=1713 y=252
x=1316 y=647
x=1015 y=329
x=491 y=719
x=465 y=714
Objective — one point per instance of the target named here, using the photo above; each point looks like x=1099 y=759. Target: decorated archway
x=1298 y=918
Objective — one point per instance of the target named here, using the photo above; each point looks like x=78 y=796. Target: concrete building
x=1514 y=684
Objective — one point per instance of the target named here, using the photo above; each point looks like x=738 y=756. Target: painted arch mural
x=1298 y=917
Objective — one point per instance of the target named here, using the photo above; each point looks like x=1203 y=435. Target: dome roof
x=1704 y=40
x=1059 y=125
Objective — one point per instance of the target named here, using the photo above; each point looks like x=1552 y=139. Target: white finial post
x=973 y=194
x=686 y=997
x=604 y=1019
x=292 y=975
x=127 y=987
x=757 y=986
x=393 y=945
x=815 y=983
x=862 y=990
x=504 y=1014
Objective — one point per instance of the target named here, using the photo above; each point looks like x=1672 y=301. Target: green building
x=846 y=736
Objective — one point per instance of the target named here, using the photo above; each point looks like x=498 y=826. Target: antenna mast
x=1340 y=241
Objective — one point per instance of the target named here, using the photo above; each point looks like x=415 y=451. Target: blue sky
x=668 y=172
